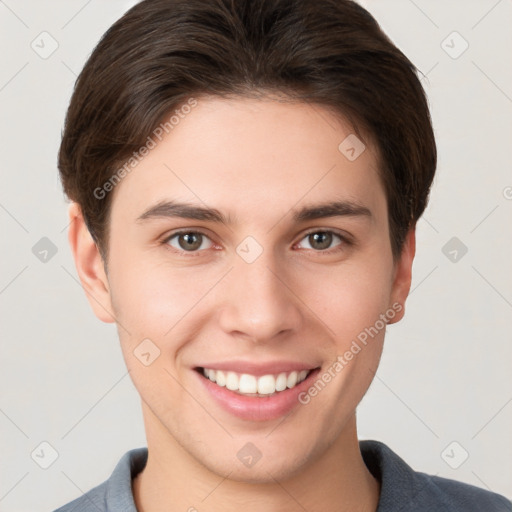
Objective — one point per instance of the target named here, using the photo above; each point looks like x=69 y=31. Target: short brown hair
x=327 y=52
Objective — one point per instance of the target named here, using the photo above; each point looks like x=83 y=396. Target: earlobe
x=403 y=276
x=89 y=265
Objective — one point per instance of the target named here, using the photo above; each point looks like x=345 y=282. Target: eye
x=322 y=240
x=189 y=241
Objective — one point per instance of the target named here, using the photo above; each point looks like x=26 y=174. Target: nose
x=259 y=303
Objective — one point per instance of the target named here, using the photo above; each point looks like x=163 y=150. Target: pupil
x=192 y=239
x=324 y=239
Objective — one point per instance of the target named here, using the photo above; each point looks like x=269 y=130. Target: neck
x=173 y=480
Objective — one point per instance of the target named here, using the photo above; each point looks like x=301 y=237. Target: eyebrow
x=171 y=209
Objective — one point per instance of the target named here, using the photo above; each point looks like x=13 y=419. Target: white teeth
x=231 y=381
x=281 y=382
x=292 y=380
x=250 y=384
x=221 y=378
x=247 y=383
x=266 y=385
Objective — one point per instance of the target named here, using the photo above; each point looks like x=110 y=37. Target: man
x=246 y=177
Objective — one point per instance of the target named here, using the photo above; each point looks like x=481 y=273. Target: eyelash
x=345 y=241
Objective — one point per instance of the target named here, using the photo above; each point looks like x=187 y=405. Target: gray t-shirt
x=402 y=488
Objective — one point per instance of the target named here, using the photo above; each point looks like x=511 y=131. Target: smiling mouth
x=252 y=385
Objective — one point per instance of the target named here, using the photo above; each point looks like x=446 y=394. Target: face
x=246 y=242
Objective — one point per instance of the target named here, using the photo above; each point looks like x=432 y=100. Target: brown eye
x=189 y=241
x=322 y=240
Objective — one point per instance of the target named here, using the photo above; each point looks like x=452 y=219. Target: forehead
x=240 y=154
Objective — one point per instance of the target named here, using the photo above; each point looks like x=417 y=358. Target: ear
x=403 y=275
x=89 y=265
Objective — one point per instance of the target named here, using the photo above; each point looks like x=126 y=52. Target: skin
x=257 y=160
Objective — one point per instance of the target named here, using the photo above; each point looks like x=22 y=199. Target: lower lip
x=257 y=408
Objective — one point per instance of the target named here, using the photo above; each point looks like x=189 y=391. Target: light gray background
x=445 y=372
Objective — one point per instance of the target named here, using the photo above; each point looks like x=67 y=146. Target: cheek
x=161 y=303
x=152 y=307
x=151 y=295
x=348 y=298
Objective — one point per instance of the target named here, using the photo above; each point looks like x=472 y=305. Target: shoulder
x=419 y=492
x=464 y=497
x=92 y=501
x=115 y=494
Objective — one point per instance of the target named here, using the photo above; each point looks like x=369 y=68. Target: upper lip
x=259 y=369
